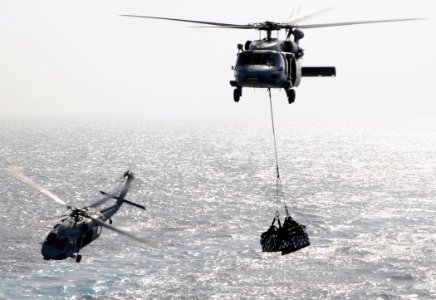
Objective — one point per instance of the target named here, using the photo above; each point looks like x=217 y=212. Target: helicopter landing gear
x=78 y=257
x=237 y=93
x=291 y=95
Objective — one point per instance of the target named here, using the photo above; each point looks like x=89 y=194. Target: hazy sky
x=80 y=58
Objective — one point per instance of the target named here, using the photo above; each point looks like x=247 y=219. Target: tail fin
x=123 y=193
x=126 y=187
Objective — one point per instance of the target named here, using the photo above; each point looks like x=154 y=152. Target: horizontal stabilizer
x=123 y=200
x=318 y=71
x=134 y=204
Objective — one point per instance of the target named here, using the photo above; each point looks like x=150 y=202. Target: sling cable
x=291 y=236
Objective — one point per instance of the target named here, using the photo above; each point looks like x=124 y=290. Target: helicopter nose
x=55 y=251
x=49 y=252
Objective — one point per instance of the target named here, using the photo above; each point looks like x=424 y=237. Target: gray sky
x=80 y=58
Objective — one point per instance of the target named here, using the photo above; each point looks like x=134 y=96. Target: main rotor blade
x=353 y=23
x=296 y=10
x=308 y=14
x=249 y=26
x=28 y=181
x=105 y=225
x=188 y=21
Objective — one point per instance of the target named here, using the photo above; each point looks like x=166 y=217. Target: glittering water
x=366 y=192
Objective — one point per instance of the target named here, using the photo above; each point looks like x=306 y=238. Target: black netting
x=288 y=238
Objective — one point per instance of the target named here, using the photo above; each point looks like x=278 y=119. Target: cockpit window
x=244 y=59
x=57 y=242
x=252 y=58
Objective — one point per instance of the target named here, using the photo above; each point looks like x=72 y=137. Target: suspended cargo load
x=288 y=238
x=270 y=240
x=293 y=236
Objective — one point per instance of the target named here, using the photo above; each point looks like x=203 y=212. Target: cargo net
x=288 y=238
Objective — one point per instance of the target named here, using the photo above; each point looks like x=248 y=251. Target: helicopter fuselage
x=71 y=235
x=266 y=69
x=267 y=63
x=271 y=63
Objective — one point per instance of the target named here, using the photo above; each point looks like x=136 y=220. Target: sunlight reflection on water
x=366 y=193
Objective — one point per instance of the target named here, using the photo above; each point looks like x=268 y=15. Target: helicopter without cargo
x=80 y=226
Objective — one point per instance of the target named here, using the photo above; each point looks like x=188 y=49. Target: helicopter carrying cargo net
x=271 y=62
x=291 y=236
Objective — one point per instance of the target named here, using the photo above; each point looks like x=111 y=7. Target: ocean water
x=365 y=190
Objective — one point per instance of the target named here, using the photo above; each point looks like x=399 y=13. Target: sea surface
x=365 y=190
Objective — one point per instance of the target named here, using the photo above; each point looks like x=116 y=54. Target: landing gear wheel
x=237 y=94
x=291 y=95
x=78 y=258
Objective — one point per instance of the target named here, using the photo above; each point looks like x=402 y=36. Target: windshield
x=252 y=58
x=54 y=241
